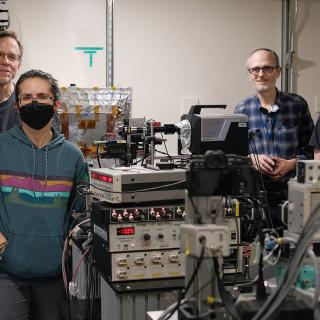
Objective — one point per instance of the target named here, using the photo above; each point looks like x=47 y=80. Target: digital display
x=97 y=176
x=125 y=231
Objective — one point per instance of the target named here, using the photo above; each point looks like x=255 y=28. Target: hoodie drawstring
x=46 y=170
x=34 y=168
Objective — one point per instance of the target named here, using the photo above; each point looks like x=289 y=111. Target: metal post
x=109 y=43
x=289 y=18
x=152 y=145
x=285 y=44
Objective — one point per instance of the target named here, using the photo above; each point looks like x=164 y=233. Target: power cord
x=225 y=296
x=164 y=315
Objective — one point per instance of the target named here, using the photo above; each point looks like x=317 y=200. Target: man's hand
x=282 y=167
x=3 y=243
x=316 y=154
x=263 y=163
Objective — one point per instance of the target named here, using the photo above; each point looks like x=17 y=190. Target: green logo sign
x=90 y=51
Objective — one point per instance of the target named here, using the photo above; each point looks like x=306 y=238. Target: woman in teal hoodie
x=39 y=173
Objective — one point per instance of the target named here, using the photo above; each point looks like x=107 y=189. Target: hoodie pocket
x=30 y=256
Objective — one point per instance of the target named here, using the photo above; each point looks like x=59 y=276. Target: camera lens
x=215 y=159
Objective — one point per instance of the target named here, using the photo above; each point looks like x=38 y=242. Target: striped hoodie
x=37 y=187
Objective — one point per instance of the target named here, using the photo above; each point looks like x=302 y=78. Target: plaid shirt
x=284 y=132
x=315 y=138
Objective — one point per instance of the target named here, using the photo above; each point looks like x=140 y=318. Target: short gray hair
x=13 y=35
x=273 y=53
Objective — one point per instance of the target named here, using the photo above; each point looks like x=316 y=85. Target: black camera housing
x=217 y=173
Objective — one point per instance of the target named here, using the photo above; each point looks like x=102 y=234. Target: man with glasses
x=280 y=126
x=10 y=60
x=40 y=173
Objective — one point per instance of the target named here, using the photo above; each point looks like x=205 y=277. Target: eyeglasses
x=265 y=69
x=10 y=56
x=40 y=98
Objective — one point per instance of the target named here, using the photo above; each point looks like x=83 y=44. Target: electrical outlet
x=156 y=259
x=139 y=260
x=122 y=261
x=187 y=102
x=122 y=274
x=173 y=258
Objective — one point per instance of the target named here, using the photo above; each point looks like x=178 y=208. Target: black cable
x=208 y=283
x=255 y=154
x=257 y=220
x=90 y=289
x=311 y=226
x=165 y=146
x=87 y=284
x=67 y=235
x=98 y=155
x=261 y=289
x=165 y=153
x=195 y=272
x=134 y=163
x=68 y=224
x=68 y=306
x=225 y=297
x=199 y=290
x=238 y=242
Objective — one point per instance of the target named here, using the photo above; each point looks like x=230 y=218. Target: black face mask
x=36 y=115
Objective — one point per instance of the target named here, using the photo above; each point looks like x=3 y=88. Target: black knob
x=146 y=237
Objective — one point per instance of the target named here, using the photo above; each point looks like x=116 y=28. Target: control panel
x=135 y=242
x=137 y=184
x=144 y=236
x=147 y=265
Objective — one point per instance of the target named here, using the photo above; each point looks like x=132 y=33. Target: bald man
x=280 y=126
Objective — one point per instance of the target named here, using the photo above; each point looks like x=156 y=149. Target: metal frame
x=289 y=17
x=109 y=42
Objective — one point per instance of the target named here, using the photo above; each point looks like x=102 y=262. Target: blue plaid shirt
x=285 y=132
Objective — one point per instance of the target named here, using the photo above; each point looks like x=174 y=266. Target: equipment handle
x=197 y=108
